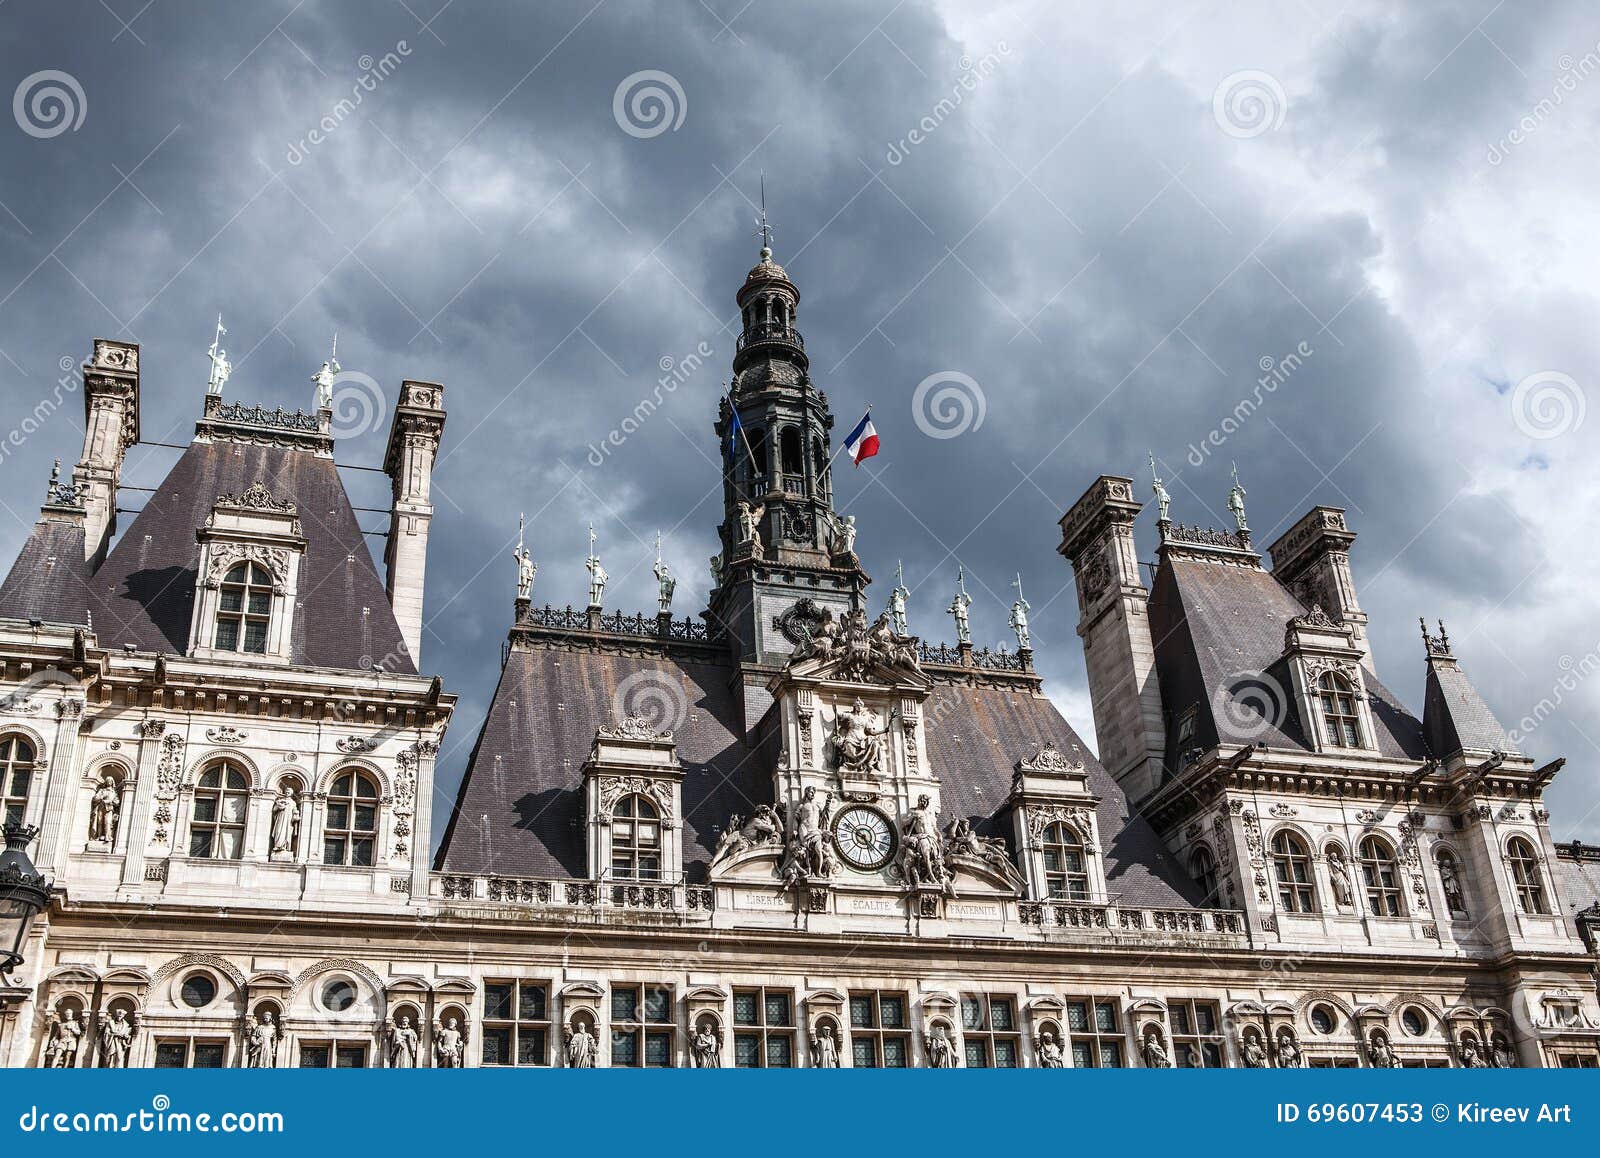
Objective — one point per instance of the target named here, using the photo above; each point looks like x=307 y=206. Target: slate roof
x=519 y=811
x=1579 y=869
x=1215 y=624
x=143 y=594
x=50 y=579
x=1455 y=717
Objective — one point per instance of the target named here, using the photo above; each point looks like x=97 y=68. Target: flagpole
x=827 y=468
x=743 y=437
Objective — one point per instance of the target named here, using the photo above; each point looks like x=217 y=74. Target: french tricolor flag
x=862 y=443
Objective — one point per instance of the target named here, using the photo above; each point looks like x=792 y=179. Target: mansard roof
x=50 y=581
x=520 y=810
x=144 y=591
x=1217 y=622
x=1455 y=717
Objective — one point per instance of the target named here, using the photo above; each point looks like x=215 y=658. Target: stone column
x=135 y=834
x=60 y=779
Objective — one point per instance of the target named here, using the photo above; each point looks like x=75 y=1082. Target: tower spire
x=765 y=230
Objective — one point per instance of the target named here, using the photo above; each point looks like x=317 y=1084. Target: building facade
x=785 y=832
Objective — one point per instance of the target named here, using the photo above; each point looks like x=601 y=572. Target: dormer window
x=1065 y=874
x=1340 y=721
x=635 y=840
x=244 y=610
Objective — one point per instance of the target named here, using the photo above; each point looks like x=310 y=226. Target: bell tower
x=784 y=556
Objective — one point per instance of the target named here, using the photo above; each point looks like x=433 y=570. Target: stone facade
x=788 y=833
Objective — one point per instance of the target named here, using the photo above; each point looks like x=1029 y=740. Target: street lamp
x=23 y=894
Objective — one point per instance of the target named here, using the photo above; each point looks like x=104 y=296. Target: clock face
x=864 y=836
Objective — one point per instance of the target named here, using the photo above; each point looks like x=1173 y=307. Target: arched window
x=244 y=608
x=16 y=777
x=221 y=797
x=1291 y=861
x=1525 y=875
x=1203 y=868
x=1340 y=723
x=635 y=840
x=351 y=830
x=1382 y=877
x=1065 y=876
x=789 y=453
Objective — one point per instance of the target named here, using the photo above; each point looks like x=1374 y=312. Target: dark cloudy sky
x=1110 y=218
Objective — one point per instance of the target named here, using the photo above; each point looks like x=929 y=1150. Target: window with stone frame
x=1203 y=868
x=1329 y=1062
x=879 y=1037
x=244 y=610
x=1291 y=865
x=635 y=839
x=644 y=1028
x=1341 y=724
x=189 y=1053
x=516 y=1023
x=17 y=759
x=337 y=1055
x=1066 y=872
x=1526 y=877
x=1196 y=1033
x=989 y=1032
x=1381 y=874
x=219 y=811
x=350 y=820
x=1094 y=1033
x=1577 y=1060
x=763 y=1028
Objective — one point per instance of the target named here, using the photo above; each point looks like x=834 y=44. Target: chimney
x=413 y=446
x=1097 y=538
x=110 y=426
x=1312 y=560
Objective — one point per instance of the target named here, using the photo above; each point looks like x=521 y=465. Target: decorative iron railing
x=279 y=419
x=943 y=653
x=644 y=626
x=756 y=335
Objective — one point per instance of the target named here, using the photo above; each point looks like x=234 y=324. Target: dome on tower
x=767 y=270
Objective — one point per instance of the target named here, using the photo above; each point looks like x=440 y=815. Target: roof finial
x=221 y=368
x=527 y=569
x=958 y=608
x=1444 y=636
x=1236 y=495
x=765 y=230
x=1163 y=499
x=324 y=377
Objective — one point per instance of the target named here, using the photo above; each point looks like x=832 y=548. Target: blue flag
x=735 y=428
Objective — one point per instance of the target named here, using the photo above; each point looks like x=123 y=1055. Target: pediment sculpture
x=853 y=648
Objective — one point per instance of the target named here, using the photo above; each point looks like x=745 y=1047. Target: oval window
x=199 y=991
x=1414 y=1022
x=339 y=995
x=1322 y=1019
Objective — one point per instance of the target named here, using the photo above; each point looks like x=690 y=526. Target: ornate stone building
x=786 y=832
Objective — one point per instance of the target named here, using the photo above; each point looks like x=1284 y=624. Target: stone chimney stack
x=413 y=446
x=110 y=426
x=1097 y=538
x=1312 y=560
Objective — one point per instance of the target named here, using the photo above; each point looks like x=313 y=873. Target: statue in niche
x=66 y=1034
x=1155 y=1052
x=1450 y=880
x=857 y=744
x=941 y=1048
x=580 y=1046
x=1471 y=1059
x=1049 y=1051
x=842 y=535
x=1252 y=1051
x=706 y=1046
x=1339 y=876
x=1380 y=1052
x=810 y=856
x=404 y=1043
x=449 y=1044
x=285 y=822
x=104 y=808
x=922 y=862
x=116 y=1040
x=1500 y=1053
x=764 y=827
x=1288 y=1050
x=825 y=1048
x=261 y=1042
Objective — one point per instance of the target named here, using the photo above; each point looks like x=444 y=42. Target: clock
x=865 y=837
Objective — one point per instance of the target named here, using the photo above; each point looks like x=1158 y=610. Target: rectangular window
x=763 y=1028
x=877 y=1031
x=1331 y=1063
x=989 y=1032
x=643 y=1026
x=182 y=1053
x=516 y=1023
x=344 y=1055
x=1094 y=1033
x=1196 y=1034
